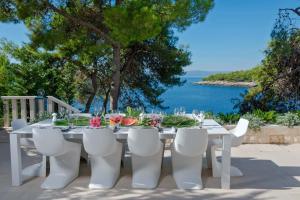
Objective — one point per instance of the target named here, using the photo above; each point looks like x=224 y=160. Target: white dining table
x=214 y=130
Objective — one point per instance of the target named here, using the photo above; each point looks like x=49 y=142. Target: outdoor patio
x=270 y=172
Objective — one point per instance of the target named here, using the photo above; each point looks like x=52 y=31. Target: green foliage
x=134 y=21
x=133 y=112
x=86 y=34
x=80 y=121
x=278 y=81
x=268 y=117
x=41 y=117
x=289 y=119
x=34 y=70
x=178 y=121
x=155 y=65
x=228 y=118
x=254 y=122
x=1 y=122
x=236 y=76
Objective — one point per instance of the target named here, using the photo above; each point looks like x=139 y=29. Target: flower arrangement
x=153 y=120
x=115 y=120
x=95 y=122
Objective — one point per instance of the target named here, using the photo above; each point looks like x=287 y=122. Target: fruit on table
x=129 y=121
x=115 y=120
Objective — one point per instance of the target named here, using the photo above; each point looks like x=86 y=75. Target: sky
x=233 y=36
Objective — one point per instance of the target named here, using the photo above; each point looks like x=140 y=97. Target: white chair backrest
x=191 y=141
x=48 y=141
x=241 y=128
x=88 y=115
x=101 y=142
x=18 y=123
x=143 y=141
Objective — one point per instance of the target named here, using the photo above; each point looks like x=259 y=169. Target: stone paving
x=270 y=172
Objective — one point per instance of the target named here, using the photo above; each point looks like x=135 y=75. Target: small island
x=227 y=83
x=242 y=78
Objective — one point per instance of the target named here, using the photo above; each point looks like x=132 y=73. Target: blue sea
x=190 y=96
x=202 y=97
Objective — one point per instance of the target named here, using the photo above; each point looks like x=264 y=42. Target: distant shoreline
x=227 y=83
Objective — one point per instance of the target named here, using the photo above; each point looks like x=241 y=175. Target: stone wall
x=272 y=134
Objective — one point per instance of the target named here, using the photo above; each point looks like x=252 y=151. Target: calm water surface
x=202 y=97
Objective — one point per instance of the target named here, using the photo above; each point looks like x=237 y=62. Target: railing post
x=41 y=106
x=23 y=109
x=60 y=108
x=6 y=113
x=49 y=105
x=32 y=109
x=14 y=109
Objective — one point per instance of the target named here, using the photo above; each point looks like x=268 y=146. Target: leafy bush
x=133 y=112
x=41 y=117
x=1 y=122
x=254 y=122
x=228 y=118
x=267 y=117
x=209 y=115
x=289 y=119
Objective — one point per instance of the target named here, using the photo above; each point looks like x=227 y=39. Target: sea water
x=191 y=96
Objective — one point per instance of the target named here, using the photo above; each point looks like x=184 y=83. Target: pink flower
x=95 y=122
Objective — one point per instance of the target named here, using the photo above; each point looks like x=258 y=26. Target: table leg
x=15 y=159
x=226 y=158
x=208 y=157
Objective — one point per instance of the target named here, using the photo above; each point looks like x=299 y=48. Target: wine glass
x=182 y=110
x=195 y=114
x=176 y=111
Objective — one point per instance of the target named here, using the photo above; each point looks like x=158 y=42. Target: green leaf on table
x=178 y=121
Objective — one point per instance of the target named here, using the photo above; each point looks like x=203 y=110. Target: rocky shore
x=227 y=83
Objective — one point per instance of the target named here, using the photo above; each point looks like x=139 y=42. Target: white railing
x=29 y=107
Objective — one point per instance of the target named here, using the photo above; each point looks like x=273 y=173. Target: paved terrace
x=271 y=172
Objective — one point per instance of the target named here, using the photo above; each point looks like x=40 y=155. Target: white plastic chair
x=38 y=169
x=237 y=136
x=187 y=152
x=64 y=156
x=84 y=154
x=146 y=156
x=105 y=156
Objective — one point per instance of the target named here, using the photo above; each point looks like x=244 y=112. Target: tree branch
x=295 y=10
x=88 y=25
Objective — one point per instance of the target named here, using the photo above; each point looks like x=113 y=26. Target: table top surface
x=212 y=127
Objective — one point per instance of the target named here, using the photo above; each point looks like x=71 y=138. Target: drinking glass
x=176 y=111
x=182 y=111
x=195 y=114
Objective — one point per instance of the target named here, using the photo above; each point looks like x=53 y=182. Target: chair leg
x=63 y=168
x=187 y=171
x=217 y=166
x=105 y=170
x=146 y=170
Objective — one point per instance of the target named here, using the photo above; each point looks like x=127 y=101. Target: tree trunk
x=105 y=101
x=93 y=94
x=115 y=84
x=89 y=103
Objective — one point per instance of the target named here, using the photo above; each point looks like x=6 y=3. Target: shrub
x=1 y=122
x=267 y=117
x=254 y=122
x=229 y=118
x=289 y=119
